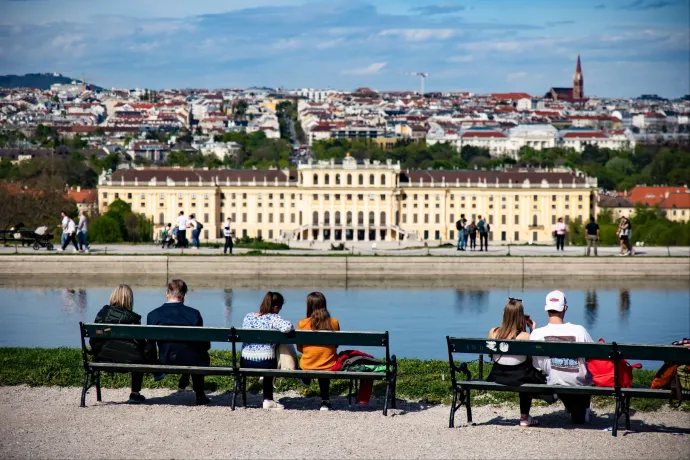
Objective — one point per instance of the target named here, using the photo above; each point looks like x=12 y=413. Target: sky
x=628 y=47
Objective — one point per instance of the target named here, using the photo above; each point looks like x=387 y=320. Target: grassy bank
x=417 y=379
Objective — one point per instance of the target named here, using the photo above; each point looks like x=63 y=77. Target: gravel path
x=47 y=423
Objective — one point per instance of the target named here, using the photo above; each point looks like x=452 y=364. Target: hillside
x=35 y=80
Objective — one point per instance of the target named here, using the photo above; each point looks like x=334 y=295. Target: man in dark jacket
x=175 y=313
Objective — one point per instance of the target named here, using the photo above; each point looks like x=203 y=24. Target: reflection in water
x=475 y=301
x=74 y=301
x=624 y=305
x=591 y=305
x=227 y=302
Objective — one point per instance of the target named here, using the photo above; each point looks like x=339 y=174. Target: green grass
x=418 y=380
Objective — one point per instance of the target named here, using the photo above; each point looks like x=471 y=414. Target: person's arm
x=281 y=324
x=492 y=333
x=598 y=233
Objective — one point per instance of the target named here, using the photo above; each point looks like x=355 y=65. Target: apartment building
x=356 y=201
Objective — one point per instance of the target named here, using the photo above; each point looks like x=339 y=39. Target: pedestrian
x=166 y=236
x=194 y=225
x=460 y=226
x=227 y=233
x=182 y=223
x=81 y=232
x=63 y=225
x=483 y=227
x=472 y=230
x=559 y=233
x=593 y=235
x=71 y=235
x=624 y=231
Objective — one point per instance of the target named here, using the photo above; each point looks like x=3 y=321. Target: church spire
x=578 y=82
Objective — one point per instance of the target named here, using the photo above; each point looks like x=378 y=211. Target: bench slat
x=314 y=374
x=530 y=348
x=535 y=388
x=147 y=368
x=164 y=333
x=655 y=352
x=371 y=339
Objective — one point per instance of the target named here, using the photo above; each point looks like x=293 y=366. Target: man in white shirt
x=228 y=236
x=182 y=223
x=71 y=233
x=564 y=371
x=63 y=225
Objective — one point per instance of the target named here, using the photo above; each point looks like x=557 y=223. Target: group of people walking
x=177 y=235
x=174 y=312
x=469 y=232
x=593 y=236
x=74 y=233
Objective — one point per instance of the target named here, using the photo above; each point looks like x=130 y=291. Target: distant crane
x=422 y=76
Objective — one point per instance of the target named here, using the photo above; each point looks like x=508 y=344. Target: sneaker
x=202 y=400
x=135 y=398
x=61 y=250
x=158 y=377
x=270 y=404
x=325 y=406
x=528 y=422
x=86 y=251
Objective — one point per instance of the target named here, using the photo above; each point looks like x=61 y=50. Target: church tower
x=578 y=82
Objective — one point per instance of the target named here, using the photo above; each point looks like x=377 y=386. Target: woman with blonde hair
x=516 y=370
x=119 y=311
x=318 y=357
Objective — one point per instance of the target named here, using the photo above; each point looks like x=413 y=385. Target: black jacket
x=178 y=353
x=115 y=350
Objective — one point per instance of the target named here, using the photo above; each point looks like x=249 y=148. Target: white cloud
x=463 y=58
x=371 y=69
x=330 y=43
x=418 y=35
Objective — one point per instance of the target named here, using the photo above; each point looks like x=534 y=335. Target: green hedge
x=420 y=380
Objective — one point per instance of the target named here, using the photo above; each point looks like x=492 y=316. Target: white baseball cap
x=555 y=301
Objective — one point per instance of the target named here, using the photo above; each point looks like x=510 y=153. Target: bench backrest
x=165 y=333
x=568 y=349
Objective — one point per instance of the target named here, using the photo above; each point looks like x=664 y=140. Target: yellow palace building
x=356 y=201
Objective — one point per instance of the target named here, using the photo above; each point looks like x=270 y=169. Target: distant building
x=574 y=94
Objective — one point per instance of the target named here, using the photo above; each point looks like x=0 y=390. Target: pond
x=40 y=312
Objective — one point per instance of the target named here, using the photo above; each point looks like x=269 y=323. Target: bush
x=105 y=229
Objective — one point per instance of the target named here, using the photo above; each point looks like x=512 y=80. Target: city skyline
x=628 y=47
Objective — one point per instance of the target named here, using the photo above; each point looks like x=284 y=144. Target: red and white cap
x=555 y=301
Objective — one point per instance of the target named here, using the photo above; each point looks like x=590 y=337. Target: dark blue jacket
x=178 y=353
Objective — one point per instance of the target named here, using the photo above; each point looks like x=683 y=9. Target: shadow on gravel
x=598 y=422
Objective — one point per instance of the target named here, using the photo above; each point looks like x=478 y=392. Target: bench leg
x=616 y=417
x=393 y=385
x=385 y=401
x=244 y=390
x=235 y=389
x=84 y=389
x=349 y=394
x=98 y=386
x=627 y=413
x=453 y=408
x=468 y=406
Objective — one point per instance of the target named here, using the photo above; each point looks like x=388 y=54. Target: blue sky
x=628 y=47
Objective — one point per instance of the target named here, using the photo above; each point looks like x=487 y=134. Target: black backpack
x=458 y=225
x=199 y=226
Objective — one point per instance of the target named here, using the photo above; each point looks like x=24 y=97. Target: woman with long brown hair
x=516 y=370
x=263 y=355
x=318 y=357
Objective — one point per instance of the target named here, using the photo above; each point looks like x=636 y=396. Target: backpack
x=199 y=226
x=472 y=228
x=603 y=372
x=458 y=224
x=480 y=226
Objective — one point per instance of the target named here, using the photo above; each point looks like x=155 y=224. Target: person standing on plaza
x=81 y=232
x=472 y=231
x=624 y=232
x=176 y=353
x=63 y=225
x=194 y=225
x=166 y=236
x=227 y=233
x=460 y=226
x=564 y=371
x=182 y=223
x=483 y=229
x=559 y=233
x=71 y=235
x=593 y=235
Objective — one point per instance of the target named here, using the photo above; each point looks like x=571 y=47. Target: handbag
x=287 y=357
x=603 y=371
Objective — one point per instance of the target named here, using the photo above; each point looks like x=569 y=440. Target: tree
x=241 y=107
x=105 y=229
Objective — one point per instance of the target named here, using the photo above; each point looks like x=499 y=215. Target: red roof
x=483 y=134
x=585 y=135
x=652 y=196
x=83 y=196
x=510 y=96
x=676 y=201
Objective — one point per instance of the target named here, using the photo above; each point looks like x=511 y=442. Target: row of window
x=360 y=179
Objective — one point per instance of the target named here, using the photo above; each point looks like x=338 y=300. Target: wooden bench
x=235 y=337
x=342 y=338
x=463 y=381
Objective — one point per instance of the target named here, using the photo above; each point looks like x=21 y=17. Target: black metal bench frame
x=462 y=387
x=93 y=370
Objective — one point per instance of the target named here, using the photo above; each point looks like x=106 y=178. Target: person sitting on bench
x=263 y=355
x=119 y=311
x=564 y=371
x=318 y=357
x=515 y=370
x=175 y=313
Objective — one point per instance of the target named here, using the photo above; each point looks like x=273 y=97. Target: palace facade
x=356 y=201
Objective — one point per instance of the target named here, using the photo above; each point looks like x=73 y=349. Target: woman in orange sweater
x=318 y=357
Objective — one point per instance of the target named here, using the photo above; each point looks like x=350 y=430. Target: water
x=418 y=314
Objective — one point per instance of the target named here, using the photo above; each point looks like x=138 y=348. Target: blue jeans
x=462 y=239
x=195 y=237
x=81 y=238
